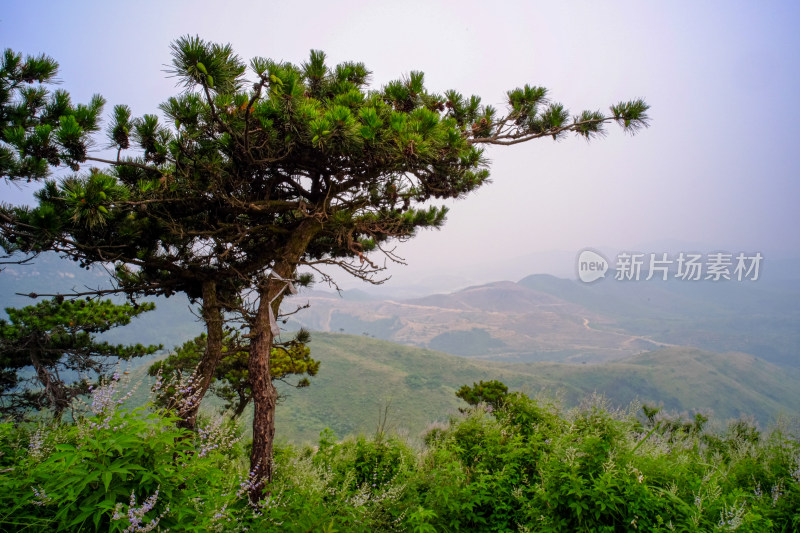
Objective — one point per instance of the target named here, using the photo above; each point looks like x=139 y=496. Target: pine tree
x=301 y=166
x=492 y=393
x=56 y=339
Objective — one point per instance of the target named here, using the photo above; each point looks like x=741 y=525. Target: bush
x=531 y=467
x=527 y=466
x=114 y=470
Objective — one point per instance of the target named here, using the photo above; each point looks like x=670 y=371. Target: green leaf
x=107 y=479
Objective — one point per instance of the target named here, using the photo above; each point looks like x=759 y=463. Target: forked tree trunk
x=204 y=374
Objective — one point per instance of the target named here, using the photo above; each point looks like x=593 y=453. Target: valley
x=729 y=349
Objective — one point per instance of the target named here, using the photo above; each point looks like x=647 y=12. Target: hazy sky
x=717 y=170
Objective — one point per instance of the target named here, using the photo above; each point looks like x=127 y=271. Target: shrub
x=114 y=470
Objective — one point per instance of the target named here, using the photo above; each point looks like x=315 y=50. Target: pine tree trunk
x=53 y=387
x=204 y=374
x=241 y=405
x=265 y=396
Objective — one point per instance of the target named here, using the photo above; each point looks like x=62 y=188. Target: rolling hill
x=496 y=321
x=361 y=376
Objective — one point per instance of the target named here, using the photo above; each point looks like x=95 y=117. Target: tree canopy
x=492 y=393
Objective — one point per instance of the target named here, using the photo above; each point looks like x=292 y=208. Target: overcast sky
x=717 y=170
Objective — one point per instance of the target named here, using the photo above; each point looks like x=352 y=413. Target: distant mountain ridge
x=543 y=318
x=539 y=318
x=517 y=322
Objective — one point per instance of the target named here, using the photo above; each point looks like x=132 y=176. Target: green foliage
x=493 y=393
x=39 y=129
x=528 y=466
x=532 y=468
x=56 y=339
x=232 y=377
x=114 y=470
x=361 y=462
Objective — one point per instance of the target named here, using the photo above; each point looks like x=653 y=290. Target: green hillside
x=361 y=376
